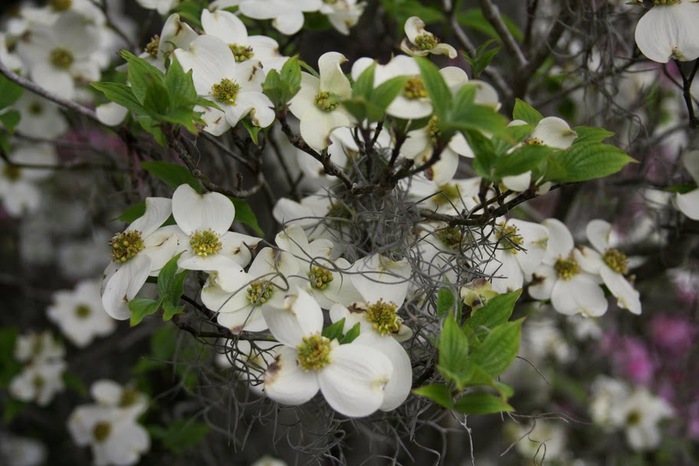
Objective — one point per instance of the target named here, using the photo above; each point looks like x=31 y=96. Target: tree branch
x=492 y=14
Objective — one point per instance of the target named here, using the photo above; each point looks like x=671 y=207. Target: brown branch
x=493 y=16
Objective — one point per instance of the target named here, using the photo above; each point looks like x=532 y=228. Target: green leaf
x=142 y=76
x=439 y=393
x=10 y=119
x=172 y=174
x=280 y=87
x=586 y=160
x=523 y=159
x=334 y=331
x=191 y=11
x=157 y=100
x=525 y=112
x=387 y=91
x=499 y=348
x=481 y=403
x=12 y=408
x=171 y=310
x=179 y=84
x=122 y=95
x=445 y=302
x=9 y=92
x=171 y=287
x=142 y=307
x=401 y=10
x=453 y=348
x=364 y=85
x=252 y=130
x=485 y=158
x=9 y=367
x=74 y=382
x=180 y=436
x=436 y=87
x=245 y=215
x=482 y=58
x=475 y=117
x=351 y=334
x=495 y=312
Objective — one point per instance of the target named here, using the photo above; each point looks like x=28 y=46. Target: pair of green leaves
x=281 y=86
x=471 y=357
x=170 y=289
x=369 y=103
x=155 y=98
x=334 y=332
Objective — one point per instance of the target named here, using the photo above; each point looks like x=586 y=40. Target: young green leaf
x=481 y=403
x=141 y=308
x=495 y=312
x=436 y=88
x=180 y=436
x=334 y=331
x=453 y=348
x=525 y=112
x=141 y=75
x=350 y=335
x=439 y=393
x=499 y=348
x=445 y=302
x=172 y=174
x=245 y=215
x=9 y=92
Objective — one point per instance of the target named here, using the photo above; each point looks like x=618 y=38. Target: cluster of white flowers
x=109 y=425
x=41 y=377
x=616 y=406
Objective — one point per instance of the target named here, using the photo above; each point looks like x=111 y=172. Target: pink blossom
x=673 y=334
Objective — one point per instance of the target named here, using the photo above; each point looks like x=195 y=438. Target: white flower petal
x=560 y=242
x=580 y=295
x=353 y=384
x=300 y=317
x=200 y=212
x=598 y=233
x=123 y=286
x=688 y=204
x=158 y=209
x=627 y=297
x=285 y=381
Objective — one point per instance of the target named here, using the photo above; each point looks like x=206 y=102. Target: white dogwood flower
x=688 y=203
x=561 y=279
x=317 y=104
x=140 y=251
x=286 y=15
x=343 y=14
x=235 y=87
x=610 y=263
x=352 y=377
x=420 y=42
x=205 y=219
x=669 y=30
x=18 y=183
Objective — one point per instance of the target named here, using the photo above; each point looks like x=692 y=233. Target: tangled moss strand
x=509 y=238
x=126 y=245
x=383 y=317
x=313 y=354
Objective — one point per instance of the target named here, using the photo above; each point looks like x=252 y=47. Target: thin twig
x=36 y=89
x=492 y=14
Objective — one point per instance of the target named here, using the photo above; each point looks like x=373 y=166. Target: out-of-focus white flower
x=611 y=264
x=113 y=395
x=543 y=340
x=538 y=440
x=40 y=381
x=38 y=347
x=688 y=203
x=18 y=189
x=80 y=314
x=21 y=451
x=161 y=6
x=286 y=15
x=268 y=461
x=561 y=279
x=669 y=30
x=420 y=42
x=62 y=53
x=352 y=377
x=343 y=14
x=317 y=104
x=40 y=117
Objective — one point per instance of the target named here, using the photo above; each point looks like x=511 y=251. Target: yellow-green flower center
x=126 y=245
x=129 y=396
x=313 y=353
x=38 y=382
x=205 y=243
x=433 y=129
x=452 y=237
x=616 y=260
x=534 y=141
x=633 y=418
x=326 y=101
x=320 y=277
x=101 y=431
x=83 y=311
x=383 y=317
x=153 y=45
x=508 y=238
x=414 y=88
x=449 y=192
x=226 y=91
x=11 y=172
x=35 y=108
x=61 y=58
x=566 y=268
x=259 y=292
x=60 y=5
x=241 y=52
x=426 y=41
